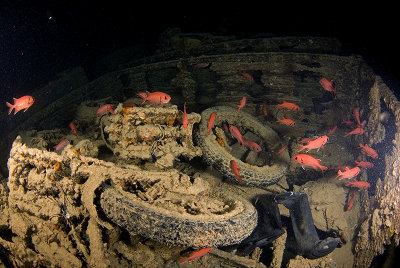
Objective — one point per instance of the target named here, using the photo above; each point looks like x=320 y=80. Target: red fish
x=328 y=86
x=264 y=109
x=105 y=109
x=348 y=173
x=350 y=199
x=22 y=103
x=196 y=254
x=315 y=144
x=202 y=65
x=242 y=103
x=211 y=121
x=252 y=145
x=128 y=105
x=288 y=106
x=226 y=129
x=281 y=150
x=247 y=75
x=154 y=97
x=362 y=185
x=332 y=131
x=185 y=120
x=357 y=116
x=236 y=133
x=308 y=160
x=365 y=149
x=364 y=164
x=356 y=131
x=61 y=145
x=73 y=128
x=349 y=123
x=287 y=121
x=235 y=170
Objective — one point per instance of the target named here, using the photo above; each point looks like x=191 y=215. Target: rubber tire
x=215 y=155
x=134 y=215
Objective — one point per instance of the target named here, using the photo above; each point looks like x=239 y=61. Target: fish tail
x=11 y=107
x=143 y=95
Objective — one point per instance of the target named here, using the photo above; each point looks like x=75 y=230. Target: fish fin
x=301 y=148
x=11 y=107
x=140 y=94
x=323 y=168
x=143 y=101
x=315 y=168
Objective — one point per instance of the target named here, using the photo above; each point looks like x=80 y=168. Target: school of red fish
x=307 y=144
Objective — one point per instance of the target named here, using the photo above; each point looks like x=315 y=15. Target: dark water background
x=41 y=38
